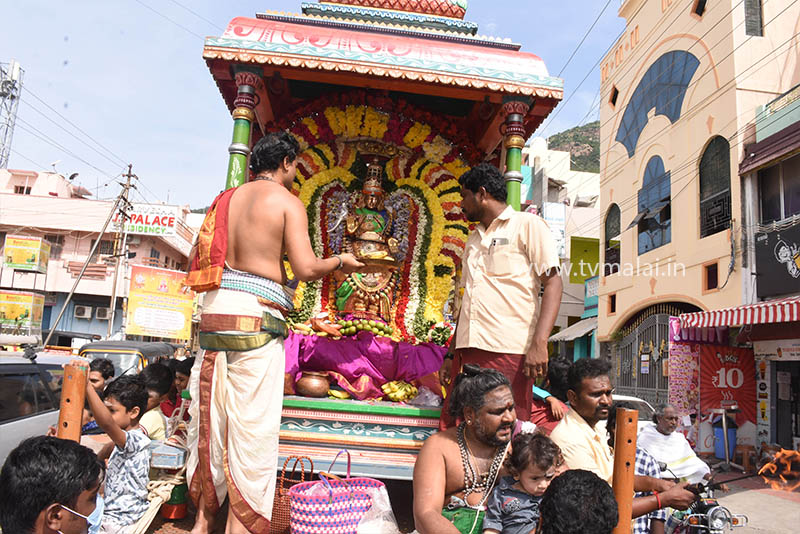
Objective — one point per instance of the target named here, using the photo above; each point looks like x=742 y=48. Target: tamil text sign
x=150 y=219
x=158 y=304
x=25 y=253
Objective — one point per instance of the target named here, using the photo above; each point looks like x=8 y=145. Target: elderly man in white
x=671 y=447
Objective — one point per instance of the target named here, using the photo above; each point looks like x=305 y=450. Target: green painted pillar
x=515 y=111
x=248 y=83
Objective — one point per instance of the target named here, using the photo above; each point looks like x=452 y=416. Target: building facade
x=679 y=90
x=49 y=206
x=568 y=201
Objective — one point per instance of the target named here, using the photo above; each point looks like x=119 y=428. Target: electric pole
x=120 y=245
x=10 y=90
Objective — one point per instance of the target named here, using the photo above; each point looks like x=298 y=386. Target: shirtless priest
x=237 y=386
x=457 y=468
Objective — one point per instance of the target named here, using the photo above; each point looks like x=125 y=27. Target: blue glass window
x=654 y=221
x=662 y=87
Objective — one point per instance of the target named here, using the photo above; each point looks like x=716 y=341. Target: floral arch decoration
x=421 y=167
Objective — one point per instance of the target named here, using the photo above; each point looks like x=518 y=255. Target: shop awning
x=579 y=329
x=770 y=311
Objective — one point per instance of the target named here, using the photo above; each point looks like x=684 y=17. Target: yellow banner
x=158 y=304
x=21 y=312
x=25 y=253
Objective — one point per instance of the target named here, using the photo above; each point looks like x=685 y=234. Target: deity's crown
x=373 y=185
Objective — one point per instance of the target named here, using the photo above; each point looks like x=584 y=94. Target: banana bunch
x=338 y=394
x=399 y=391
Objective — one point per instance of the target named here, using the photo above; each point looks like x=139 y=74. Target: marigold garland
x=425 y=180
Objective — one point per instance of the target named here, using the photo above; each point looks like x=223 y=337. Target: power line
x=179 y=25
x=114 y=162
x=43 y=137
x=199 y=16
x=48 y=106
x=596 y=20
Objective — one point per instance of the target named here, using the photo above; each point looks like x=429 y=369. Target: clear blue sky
x=135 y=81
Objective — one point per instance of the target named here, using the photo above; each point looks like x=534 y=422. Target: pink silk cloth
x=362 y=363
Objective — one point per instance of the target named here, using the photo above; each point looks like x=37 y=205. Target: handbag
x=331 y=505
x=280 y=508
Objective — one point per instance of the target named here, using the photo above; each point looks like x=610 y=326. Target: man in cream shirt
x=507 y=259
x=584 y=442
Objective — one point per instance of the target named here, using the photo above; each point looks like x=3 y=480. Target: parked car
x=127 y=356
x=644 y=408
x=30 y=393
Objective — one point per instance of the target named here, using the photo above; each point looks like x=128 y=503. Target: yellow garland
x=353 y=123
x=336 y=120
x=416 y=135
x=311 y=124
x=438 y=291
x=375 y=123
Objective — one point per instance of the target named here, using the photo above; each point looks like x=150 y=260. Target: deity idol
x=368 y=235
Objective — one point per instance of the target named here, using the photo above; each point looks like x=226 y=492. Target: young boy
x=158 y=379
x=49 y=485
x=129 y=461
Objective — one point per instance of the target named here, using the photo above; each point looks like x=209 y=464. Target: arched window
x=654 y=220
x=715 y=187
x=662 y=88
x=612 y=232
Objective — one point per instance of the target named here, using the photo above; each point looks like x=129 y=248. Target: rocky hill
x=583 y=142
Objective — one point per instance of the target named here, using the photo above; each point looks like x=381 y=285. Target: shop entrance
x=787 y=404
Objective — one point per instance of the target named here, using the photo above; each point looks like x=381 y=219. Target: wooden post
x=73 y=397
x=624 y=465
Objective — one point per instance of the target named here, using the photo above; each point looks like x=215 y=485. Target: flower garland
x=425 y=198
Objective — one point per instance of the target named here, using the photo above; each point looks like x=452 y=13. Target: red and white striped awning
x=771 y=311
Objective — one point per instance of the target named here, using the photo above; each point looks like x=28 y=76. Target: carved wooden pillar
x=515 y=111
x=248 y=83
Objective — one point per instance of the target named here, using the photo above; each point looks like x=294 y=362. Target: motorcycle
x=705 y=515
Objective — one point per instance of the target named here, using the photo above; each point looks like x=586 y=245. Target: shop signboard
x=778 y=349
x=728 y=379
x=158 y=304
x=778 y=262
x=555 y=215
x=21 y=312
x=150 y=219
x=25 y=253
x=684 y=371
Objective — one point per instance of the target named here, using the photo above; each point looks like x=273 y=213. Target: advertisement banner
x=778 y=261
x=158 y=304
x=728 y=378
x=555 y=215
x=684 y=372
x=25 y=253
x=778 y=349
x=150 y=219
x=764 y=393
x=21 y=312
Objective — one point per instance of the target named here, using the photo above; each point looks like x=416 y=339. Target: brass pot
x=313 y=384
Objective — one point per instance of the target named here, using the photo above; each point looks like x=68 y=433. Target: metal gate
x=640 y=359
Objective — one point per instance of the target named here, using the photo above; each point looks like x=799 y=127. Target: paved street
x=775 y=512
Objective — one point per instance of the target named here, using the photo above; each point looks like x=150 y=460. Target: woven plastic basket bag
x=330 y=505
x=280 y=508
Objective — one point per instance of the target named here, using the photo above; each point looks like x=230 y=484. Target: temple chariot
x=391 y=101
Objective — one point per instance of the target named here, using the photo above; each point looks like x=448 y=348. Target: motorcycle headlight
x=718 y=517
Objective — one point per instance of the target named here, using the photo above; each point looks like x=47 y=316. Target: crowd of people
x=50 y=485
x=483 y=472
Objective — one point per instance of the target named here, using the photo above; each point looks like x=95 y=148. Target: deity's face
x=372 y=199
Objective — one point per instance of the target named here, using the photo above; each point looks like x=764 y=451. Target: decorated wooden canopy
x=419 y=49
